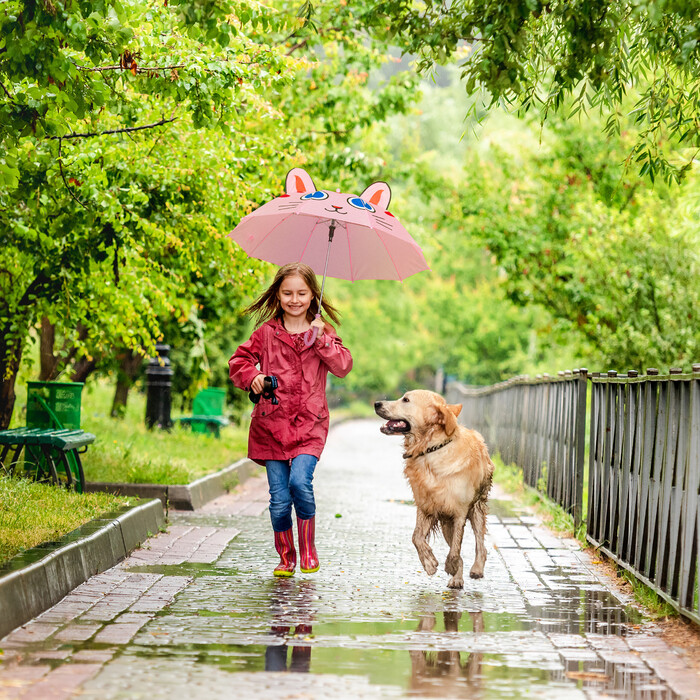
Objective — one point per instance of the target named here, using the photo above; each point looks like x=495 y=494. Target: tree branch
x=126 y=130
x=139 y=69
x=298 y=45
x=9 y=95
x=65 y=182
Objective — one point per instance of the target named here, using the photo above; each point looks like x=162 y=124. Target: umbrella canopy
x=367 y=241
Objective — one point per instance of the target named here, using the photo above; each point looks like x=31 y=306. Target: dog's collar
x=428 y=451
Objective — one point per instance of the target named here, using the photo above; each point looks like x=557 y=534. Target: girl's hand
x=258 y=384
x=318 y=323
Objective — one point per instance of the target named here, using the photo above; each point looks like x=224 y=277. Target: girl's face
x=294 y=296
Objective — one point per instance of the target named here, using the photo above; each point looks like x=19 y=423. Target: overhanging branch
x=137 y=68
x=126 y=130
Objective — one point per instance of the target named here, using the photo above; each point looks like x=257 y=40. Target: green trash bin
x=62 y=398
x=208 y=402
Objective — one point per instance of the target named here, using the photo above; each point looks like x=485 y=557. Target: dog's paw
x=475 y=573
x=452 y=565
x=456 y=582
x=430 y=563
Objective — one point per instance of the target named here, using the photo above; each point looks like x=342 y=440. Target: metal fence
x=538 y=424
x=644 y=479
x=643 y=466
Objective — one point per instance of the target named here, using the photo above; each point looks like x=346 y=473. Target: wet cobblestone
x=196 y=611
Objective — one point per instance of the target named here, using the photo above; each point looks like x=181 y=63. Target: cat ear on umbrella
x=378 y=194
x=298 y=182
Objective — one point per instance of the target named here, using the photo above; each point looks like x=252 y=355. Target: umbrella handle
x=311 y=334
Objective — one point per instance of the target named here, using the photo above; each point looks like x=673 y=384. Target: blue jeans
x=291 y=483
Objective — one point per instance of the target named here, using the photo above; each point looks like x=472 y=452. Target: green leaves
x=568 y=55
x=135 y=135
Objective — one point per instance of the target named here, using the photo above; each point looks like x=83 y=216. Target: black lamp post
x=158 y=382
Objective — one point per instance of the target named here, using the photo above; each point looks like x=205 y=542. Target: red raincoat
x=299 y=423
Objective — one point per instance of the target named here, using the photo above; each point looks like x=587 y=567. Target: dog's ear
x=447 y=417
x=456 y=408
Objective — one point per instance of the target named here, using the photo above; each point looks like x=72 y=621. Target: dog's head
x=417 y=412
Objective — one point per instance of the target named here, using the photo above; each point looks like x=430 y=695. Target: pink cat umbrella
x=299 y=226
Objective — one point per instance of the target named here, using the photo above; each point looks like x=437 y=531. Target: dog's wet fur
x=450 y=483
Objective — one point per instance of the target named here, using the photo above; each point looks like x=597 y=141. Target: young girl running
x=289 y=426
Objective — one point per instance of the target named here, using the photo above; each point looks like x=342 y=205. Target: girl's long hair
x=267 y=305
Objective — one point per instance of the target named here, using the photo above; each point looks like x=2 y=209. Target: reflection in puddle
x=444 y=673
x=284 y=606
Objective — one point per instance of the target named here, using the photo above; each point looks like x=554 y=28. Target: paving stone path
x=196 y=612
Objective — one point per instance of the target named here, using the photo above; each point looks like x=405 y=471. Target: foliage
x=112 y=146
x=569 y=57
x=612 y=260
x=33 y=513
x=455 y=317
x=137 y=142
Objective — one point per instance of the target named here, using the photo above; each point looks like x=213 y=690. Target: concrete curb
x=39 y=578
x=184 y=496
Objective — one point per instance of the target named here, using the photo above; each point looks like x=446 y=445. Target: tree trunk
x=12 y=336
x=129 y=366
x=82 y=369
x=10 y=356
x=48 y=361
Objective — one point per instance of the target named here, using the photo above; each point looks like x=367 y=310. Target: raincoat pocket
x=318 y=409
x=264 y=408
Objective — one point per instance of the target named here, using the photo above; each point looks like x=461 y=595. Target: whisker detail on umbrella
x=384 y=224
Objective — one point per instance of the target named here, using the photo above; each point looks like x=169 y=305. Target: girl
x=288 y=430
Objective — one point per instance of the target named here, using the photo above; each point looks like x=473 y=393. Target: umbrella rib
x=347 y=233
x=393 y=262
x=306 y=245
x=262 y=240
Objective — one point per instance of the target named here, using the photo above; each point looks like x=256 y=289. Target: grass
x=654 y=604
x=126 y=451
x=510 y=478
x=33 y=513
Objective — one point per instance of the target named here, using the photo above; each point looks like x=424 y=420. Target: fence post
x=690 y=507
x=580 y=444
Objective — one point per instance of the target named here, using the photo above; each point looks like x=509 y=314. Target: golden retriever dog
x=449 y=470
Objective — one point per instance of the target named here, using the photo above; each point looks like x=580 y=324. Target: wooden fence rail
x=644 y=479
x=538 y=424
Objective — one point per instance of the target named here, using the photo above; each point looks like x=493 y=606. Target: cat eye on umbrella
x=337 y=234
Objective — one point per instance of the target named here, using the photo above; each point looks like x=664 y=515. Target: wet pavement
x=196 y=611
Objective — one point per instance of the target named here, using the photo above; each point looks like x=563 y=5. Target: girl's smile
x=295 y=297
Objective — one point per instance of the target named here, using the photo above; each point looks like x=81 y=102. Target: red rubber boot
x=284 y=544
x=308 y=558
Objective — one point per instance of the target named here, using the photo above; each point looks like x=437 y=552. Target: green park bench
x=51 y=453
x=207 y=412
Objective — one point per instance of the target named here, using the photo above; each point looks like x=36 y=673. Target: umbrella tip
x=338 y=189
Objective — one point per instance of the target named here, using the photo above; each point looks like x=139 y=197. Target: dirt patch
x=684 y=637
